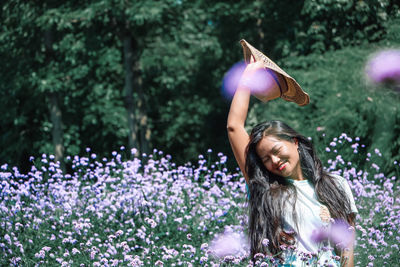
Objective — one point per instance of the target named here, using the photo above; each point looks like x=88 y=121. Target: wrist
x=245 y=82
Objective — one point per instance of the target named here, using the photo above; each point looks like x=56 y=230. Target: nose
x=275 y=160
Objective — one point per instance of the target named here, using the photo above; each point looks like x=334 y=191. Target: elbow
x=231 y=128
x=234 y=127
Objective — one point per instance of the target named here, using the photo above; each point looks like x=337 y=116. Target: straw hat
x=290 y=89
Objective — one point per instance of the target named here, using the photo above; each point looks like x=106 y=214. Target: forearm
x=349 y=253
x=239 y=108
x=351 y=259
x=238 y=137
x=348 y=258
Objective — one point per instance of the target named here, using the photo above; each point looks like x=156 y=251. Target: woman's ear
x=296 y=142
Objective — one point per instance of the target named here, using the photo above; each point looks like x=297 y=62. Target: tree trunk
x=54 y=107
x=129 y=105
x=139 y=132
x=259 y=26
x=57 y=132
x=144 y=129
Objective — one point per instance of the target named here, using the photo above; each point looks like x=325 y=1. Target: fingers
x=254 y=65
x=250 y=70
x=324 y=214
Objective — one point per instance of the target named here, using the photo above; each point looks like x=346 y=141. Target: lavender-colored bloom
x=40 y=255
x=8 y=239
x=319 y=235
x=216 y=191
x=229 y=243
x=384 y=68
x=339 y=232
x=45 y=248
x=258 y=82
x=232 y=78
x=75 y=251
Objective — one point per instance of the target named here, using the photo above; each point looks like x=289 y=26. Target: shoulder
x=344 y=184
x=341 y=181
x=338 y=178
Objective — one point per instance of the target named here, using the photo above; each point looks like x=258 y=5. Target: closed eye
x=276 y=151
x=266 y=159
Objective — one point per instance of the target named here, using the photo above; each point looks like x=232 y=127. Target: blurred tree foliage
x=179 y=51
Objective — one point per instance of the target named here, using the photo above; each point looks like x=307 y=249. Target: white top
x=308 y=217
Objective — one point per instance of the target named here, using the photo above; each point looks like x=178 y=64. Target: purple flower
x=339 y=232
x=232 y=78
x=204 y=246
x=75 y=251
x=384 y=68
x=320 y=234
x=216 y=191
x=159 y=263
x=342 y=233
x=229 y=243
x=258 y=82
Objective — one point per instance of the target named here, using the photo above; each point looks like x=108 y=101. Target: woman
x=290 y=195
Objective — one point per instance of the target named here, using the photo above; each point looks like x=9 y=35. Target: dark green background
x=78 y=58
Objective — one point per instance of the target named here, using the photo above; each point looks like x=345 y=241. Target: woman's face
x=280 y=157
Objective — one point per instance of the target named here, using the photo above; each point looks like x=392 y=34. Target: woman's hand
x=251 y=68
x=324 y=214
x=261 y=82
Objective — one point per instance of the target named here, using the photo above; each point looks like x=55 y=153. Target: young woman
x=290 y=195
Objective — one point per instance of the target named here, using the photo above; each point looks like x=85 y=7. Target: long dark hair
x=269 y=193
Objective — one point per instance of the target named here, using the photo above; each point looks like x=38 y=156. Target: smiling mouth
x=282 y=166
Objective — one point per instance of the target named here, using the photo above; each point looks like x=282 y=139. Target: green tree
x=148 y=73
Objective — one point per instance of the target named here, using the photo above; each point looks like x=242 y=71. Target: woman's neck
x=298 y=175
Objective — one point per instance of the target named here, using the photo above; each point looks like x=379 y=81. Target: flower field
x=151 y=212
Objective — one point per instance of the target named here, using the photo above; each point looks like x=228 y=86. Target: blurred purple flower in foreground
x=319 y=235
x=258 y=82
x=340 y=233
x=384 y=68
x=232 y=78
x=229 y=243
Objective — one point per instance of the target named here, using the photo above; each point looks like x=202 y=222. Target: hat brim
x=290 y=89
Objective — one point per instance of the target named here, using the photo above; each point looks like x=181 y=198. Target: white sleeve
x=345 y=185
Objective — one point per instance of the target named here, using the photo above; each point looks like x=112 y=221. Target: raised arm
x=238 y=137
